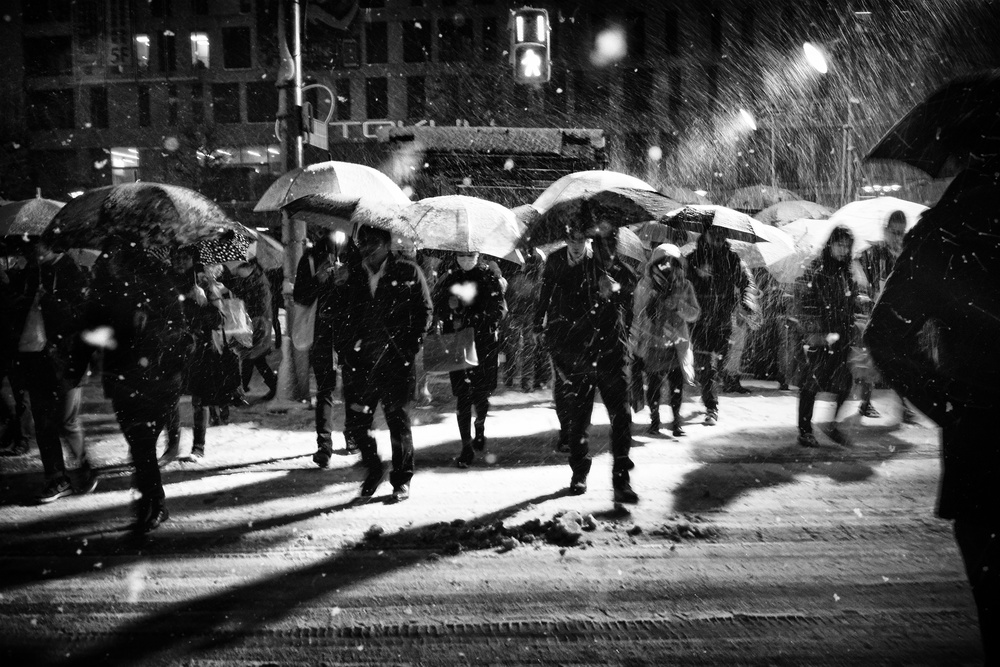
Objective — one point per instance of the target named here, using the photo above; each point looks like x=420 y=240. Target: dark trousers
x=655 y=389
x=980 y=547
x=266 y=372
x=562 y=396
x=523 y=357
x=55 y=411
x=826 y=370
x=321 y=359
x=467 y=398
x=707 y=365
x=365 y=386
x=142 y=415
x=582 y=378
x=18 y=424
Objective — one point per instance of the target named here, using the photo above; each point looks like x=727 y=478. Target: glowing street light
x=815 y=58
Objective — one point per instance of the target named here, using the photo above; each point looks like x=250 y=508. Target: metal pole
x=849 y=154
x=774 y=171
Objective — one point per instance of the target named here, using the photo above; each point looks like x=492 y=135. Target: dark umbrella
x=620 y=206
x=29 y=217
x=163 y=214
x=737 y=226
x=961 y=116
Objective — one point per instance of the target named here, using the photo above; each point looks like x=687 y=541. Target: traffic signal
x=529 y=45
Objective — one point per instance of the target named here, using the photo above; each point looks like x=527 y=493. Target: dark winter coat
x=948 y=278
x=577 y=319
x=64 y=286
x=385 y=329
x=483 y=314
x=726 y=284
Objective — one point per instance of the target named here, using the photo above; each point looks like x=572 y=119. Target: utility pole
x=294 y=371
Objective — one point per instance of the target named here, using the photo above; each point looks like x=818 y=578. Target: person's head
x=895 y=229
x=373 y=244
x=715 y=237
x=665 y=266
x=467 y=260
x=841 y=244
x=576 y=244
x=183 y=260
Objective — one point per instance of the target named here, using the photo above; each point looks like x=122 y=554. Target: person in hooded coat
x=469 y=294
x=948 y=278
x=827 y=305
x=665 y=303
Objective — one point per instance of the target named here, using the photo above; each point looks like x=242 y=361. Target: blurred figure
x=827 y=306
x=383 y=310
x=17 y=428
x=134 y=312
x=312 y=284
x=47 y=319
x=588 y=308
x=524 y=360
x=948 y=277
x=248 y=282
x=876 y=263
x=469 y=294
x=722 y=283
x=662 y=343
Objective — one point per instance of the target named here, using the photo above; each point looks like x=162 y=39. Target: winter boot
x=676 y=429
x=654 y=420
x=621 y=483
x=465 y=432
x=578 y=482
x=479 y=442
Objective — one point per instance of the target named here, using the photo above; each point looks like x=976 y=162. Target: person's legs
x=707 y=364
x=199 y=417
x=977 y=541
x=676 y=379
x=635 y=388
x=562 y=395
x=653 y=393
x=173 y=429
x=360 y=401
x=46 y=411
x=395 y=398
x=866 y=409
x=463 y=413
x=610 y=380
x=581 y=390
x=269 y=376
x=321 y=357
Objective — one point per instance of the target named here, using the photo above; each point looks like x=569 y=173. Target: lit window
x=124 y=165
x=199 y=49
x=142 y=52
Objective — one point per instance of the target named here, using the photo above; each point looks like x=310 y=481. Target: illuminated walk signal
x=529 y=45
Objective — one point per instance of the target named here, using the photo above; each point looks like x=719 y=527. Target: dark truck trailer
x=508 y=165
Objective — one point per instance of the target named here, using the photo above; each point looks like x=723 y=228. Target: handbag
x=236 y=324
x=304 y=320
x=33 y=337
x=448 y=352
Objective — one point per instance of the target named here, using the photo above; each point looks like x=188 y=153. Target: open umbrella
x=346 y=181
x=575 y=185
x=336 y=213
x=737 y=226
x=867 y=217
x=174 y=215
x=652 y=234
x=620 y=206
x=683 y=195
x=784 y=212
x=227 y=247
x=772 y=250
x=267 y=250
x=462 y=224
x=757 y=197
x=628 y=244
x=28 y=217
x=961 y=116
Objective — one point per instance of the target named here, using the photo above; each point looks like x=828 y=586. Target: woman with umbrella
x=827 y=305
x=666 y=304
x=469 y=294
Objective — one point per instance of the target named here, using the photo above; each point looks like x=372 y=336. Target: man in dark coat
x=54 y=289
x=948 y=278
x=384 y=309
x=722 y=283
x=587 y=307
x=313 y=285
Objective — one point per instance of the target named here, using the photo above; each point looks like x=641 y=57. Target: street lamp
x=817 y=60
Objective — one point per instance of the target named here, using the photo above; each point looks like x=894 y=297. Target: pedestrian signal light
x=529 y=48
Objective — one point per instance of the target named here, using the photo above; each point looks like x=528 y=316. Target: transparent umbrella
x=346 y=181
x=28 y=217
x=462 y=224
x=577 y=184
x=784 y=212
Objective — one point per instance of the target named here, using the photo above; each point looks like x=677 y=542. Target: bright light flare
x=466 y=292
x=609 y=47
x=815 y=58
x=748 y=119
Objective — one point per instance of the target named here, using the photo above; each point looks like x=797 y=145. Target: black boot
x=621 y=482
x=578 y=483
x=465 y=432
x=479 y=442
x=654 y=420
x=676 y=430
x=272 y=389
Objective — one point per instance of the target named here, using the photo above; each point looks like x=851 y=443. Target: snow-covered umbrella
x=581 y=183
x=784 y=212
x=697 y=219
x=345 y=181
x=28 y=217
x=867 y=217
x=757 y=197
x=460 y=223
x=683 y=195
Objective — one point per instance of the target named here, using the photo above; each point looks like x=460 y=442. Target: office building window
x=173 y=105
x=635 y=35
x=161 y=8
x=236 y=48
x=262 y=102
x=48 y=56
x=166 y=51
x=637 y=87
x=416 y=97
x=197 y=102
x=226 y=102
x=142 y=52
x=51 y=109
x=454 y=40
x=98 y=107
x=260 y=159
x=145 y=118
x=124 y=165
x=376 y=43
x=377 y=98
x=199 y=50
x=671 y=32
x=342 y=89
x=416 y=41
